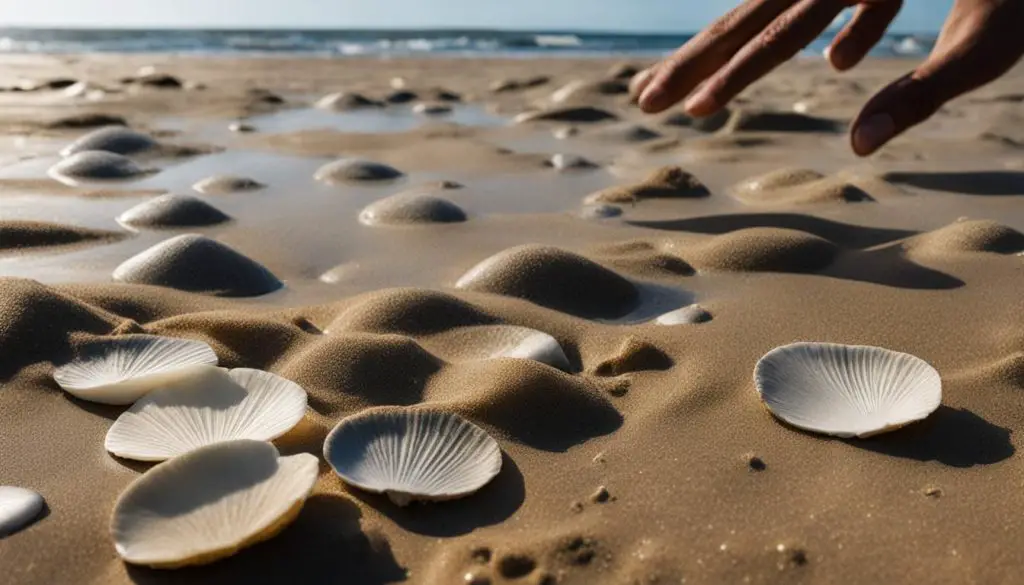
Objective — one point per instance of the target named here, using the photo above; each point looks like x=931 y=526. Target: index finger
x=705 y=53
x=789 y=34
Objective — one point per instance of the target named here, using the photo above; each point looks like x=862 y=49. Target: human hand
x=980 y=41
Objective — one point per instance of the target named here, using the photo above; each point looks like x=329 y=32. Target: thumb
x=976 y=46
x=904 y=103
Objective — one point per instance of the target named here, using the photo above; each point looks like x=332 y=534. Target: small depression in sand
x=372 y=119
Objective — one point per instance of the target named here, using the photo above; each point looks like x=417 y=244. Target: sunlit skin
x=980 y=41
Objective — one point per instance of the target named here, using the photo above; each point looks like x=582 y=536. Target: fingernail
x=696 y=104
x=651 y=95
x=873 y=133
x=640 y=81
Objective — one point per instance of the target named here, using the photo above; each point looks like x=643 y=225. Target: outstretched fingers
x=862 y=33
x=779 y=42
x=706 y=53
x=976 y=46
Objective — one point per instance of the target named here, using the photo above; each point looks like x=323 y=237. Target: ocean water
x=382 y=43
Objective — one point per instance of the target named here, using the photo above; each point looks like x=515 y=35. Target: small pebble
x=798 y=558
x=755 y=463
x=481 y=555
x=576 y=507
x=600 y=496
x=241 y=127
x=567 y=132
x=933 y=492
x=516 y=566
x=620 y=389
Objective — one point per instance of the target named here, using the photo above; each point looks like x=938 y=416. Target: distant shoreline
x=382 y=42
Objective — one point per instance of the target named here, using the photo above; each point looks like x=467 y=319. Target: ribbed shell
x=846 y=390
x=18 y=508
x=210 y=503
x=412 y=454
x=485 y=342
x=120 y=370
x=211 y=405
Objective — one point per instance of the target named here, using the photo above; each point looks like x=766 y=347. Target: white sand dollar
x=120 y=370
x=412 y=454
x=210 y=503
x=486 y=342
x=846 y=390
x=18 y=508
x=209 y=405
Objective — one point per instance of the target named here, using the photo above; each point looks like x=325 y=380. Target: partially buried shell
x=846 y=390
x=210 y=504
x=487 y=342
x=18 y=508
x=120 y=370
x=209 y=405
x=412 y=454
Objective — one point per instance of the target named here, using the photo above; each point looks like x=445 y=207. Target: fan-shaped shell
x=210 y=405
x=485 y=342
x=846 y=390
x=412 y=454
x=210 y=503
x=120 y=370
x=18 y=508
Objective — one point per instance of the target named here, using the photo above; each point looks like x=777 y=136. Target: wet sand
x=652 y=460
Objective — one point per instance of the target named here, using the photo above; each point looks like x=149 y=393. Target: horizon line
x=474 y=29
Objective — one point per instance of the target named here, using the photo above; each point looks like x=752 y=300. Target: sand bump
x=665 y=183
x=116 y=139
x=351 y=170
x=553 y=278
x=196 y=263
x=224 y=184
x=344 y=101
x=18 y=235
x=412 y=208
x=95 y=165
x=172 y=211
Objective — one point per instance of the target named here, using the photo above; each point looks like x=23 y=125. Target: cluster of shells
x=220 y=485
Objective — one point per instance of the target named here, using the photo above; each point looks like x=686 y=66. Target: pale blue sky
x=631 y=15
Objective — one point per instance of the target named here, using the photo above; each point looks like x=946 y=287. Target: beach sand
x=653 y=461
